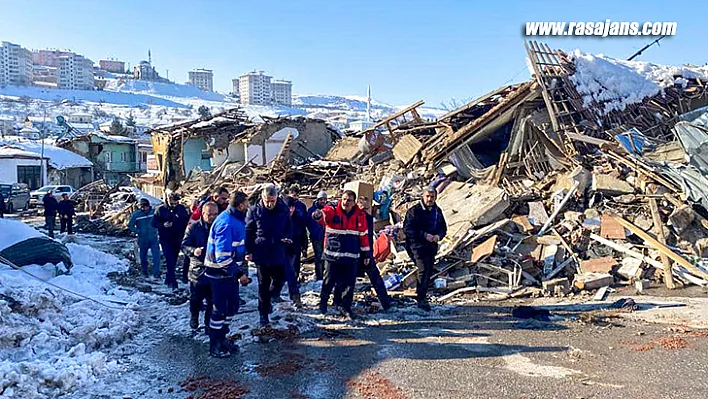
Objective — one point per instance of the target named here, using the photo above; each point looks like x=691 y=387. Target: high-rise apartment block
x=15 y=65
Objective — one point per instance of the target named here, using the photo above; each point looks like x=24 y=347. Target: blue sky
x=406 y=50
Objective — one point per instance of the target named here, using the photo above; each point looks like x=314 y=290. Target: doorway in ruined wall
x=272 y=146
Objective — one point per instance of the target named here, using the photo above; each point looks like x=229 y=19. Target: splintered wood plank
x=668 y=276
x=523 y=223
x=609 y=228
x=484 y=249
x=407 y=148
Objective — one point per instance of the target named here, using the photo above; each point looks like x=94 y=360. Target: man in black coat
x=66 y=214
x=171 y=220
x=50 y=211
x=194 y=248
x=268 y=233
x=424 y=227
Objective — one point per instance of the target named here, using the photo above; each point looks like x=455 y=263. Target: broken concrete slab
x=592 y=281
x=631 y=268
x=609 y=185
x=566 y=181
x=466 y=205
x=537 y=213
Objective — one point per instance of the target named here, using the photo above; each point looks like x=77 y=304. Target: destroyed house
x=115 y=158
x=227 y=138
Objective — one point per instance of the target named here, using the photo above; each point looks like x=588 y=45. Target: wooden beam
x=662 y=248
x=668 y=276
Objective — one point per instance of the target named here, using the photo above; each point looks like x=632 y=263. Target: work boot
x=265 y=321
x=217 y=348
x=297 y=302
x=194 y=321
x=424 y=305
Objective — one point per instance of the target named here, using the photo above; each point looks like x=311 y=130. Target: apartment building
x=15 y=65
x=114 y=66
x=281 y=91
x=49 y=58
x=255 y=88
x=202 y=78
x=75 y=72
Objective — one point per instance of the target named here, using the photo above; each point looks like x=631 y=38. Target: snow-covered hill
x=153 y=104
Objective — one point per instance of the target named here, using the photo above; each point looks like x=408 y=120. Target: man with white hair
x=268 y=233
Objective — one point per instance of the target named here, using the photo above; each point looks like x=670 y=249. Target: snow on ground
x=14 y=232
x=615 y=84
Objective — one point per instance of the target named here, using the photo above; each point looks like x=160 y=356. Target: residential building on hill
x=282 y=92
x=254 y=88
x=15 y=65
x=202 y=79
x=75 y=72
x=114 y=66
x=49 y=58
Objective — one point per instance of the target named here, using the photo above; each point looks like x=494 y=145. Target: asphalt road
x=475 y=351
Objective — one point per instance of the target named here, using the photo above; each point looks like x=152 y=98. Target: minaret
x=149 y=57
x=368 y=104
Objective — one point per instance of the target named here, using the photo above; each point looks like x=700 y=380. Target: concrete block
x=610 y=185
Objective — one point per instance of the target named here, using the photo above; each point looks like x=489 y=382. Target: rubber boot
x=216 y=344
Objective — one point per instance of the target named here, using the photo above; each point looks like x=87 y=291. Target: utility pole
x=638 y=53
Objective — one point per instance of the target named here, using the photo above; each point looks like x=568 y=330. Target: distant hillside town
x=63 y=69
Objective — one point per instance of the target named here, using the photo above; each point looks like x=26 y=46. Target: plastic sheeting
x=37 y=251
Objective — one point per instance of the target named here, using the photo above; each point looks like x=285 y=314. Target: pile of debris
x=109 y=208
x=565 y=183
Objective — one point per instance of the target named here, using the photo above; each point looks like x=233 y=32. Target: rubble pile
x=570 y=182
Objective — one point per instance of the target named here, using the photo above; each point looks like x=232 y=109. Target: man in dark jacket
x=424 y=227
x=194 y=248
x=346 y=244
x=66 y=214
x=316 y=228
x=268 y=233
x=171 y=221
x=50 y=211
x=141 y=224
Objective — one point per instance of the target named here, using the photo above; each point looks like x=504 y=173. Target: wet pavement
x=471 y=352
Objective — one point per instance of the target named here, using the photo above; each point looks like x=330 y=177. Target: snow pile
x=51 y=342
x=14 y=232
x=59 y=158
x=614 y=84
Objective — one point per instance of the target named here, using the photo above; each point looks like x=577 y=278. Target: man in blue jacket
x=268 y=233
x=224 y=263
x=316 y=228
x=50 y=211
x=171 y=221
x=141 y=224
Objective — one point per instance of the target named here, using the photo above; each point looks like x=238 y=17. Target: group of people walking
x=224 y=233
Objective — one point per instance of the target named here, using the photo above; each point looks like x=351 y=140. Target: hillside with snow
x=153 y=104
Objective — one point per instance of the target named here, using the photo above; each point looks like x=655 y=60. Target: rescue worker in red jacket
x=346 y=244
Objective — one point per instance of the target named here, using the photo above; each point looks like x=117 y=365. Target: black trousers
x=185 y=269
x=318 y=247
x=66 y=225
x=268 y=276
x=424 y=260
x=339 y=277
x=199 y=291
x=372 y=272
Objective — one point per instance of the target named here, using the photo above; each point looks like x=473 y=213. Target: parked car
x=37 y=195
x=17 y=196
